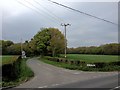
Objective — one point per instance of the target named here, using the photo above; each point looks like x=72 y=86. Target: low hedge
x=79 y=65
x=16 y=73
x=82 y=63
x=11 y=71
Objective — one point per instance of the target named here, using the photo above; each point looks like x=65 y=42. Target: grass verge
x=8 y=59
x=80 y=67
x=25 y=74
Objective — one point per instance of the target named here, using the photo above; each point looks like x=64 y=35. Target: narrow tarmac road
x=48 y=76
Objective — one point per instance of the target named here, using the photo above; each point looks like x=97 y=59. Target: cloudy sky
x=24 y=18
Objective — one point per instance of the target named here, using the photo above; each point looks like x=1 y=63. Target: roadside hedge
x=99 y=65
x=11 y=71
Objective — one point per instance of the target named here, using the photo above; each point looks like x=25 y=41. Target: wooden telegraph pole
x=65 y=25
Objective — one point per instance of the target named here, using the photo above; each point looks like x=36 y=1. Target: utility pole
x=65 y=25
x=21 y=47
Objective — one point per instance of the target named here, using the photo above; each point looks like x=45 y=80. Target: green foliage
x=107 y=49
x=27 y=48
x=4 y=45
x=14 y=49
x=100 y=66
x=8 y=59
x=56 y=41
x=111 y=49
x=11 y=71
x=48 y=41
x=25 y=70
x=16 y=73
x=92 y=58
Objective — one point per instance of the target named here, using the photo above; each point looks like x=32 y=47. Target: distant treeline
x=11 y=48
x=47 y=41
x=107 y=49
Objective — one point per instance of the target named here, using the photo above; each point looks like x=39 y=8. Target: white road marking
x=40 y=87
x=43 y=87
x=55 y=84
x=115 y=88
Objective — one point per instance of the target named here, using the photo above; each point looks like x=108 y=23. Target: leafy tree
x=48 y=41
x=14 y=49
x=110 y=49
x=40 y=41
x=107 y=49
x=0 y=47
x=6 y=44
x=56 y=41
x=33 y=47
x=26 y=48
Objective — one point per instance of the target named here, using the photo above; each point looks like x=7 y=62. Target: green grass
x=83 y=68
x=8 y=59
x=68 y=66
x=107 y=59
x=25 y=73
x=25 y=70
x=92 y=58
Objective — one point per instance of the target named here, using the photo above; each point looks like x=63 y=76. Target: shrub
x=11 y=71
x=100 y=64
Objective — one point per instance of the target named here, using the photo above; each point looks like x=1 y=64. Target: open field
x=106 y=67
x=7 y=59
x=101 y=62
x=92 y=58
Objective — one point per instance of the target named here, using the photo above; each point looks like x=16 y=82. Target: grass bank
x=24 y=72
x=7 y=59
x=106 y=66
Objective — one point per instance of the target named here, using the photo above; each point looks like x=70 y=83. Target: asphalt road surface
x=49 y=76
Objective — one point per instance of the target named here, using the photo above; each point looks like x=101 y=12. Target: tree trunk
x=53 y=52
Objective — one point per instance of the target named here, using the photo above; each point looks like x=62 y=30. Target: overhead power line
x=33 y=9
x=27 y=6
x=37 y=10
x=55 y=16
x=55 y=19
x=82 y=12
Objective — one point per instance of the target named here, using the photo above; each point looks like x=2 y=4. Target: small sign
x=23 y=54
x=91 y=65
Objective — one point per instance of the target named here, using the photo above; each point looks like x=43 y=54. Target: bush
x=14 y=74
x=115 y=63
x=100 y=64
x=11 y=71
x=81 y=65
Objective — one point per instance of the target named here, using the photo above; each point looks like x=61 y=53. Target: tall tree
x=56 y=41
x=49 y=41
